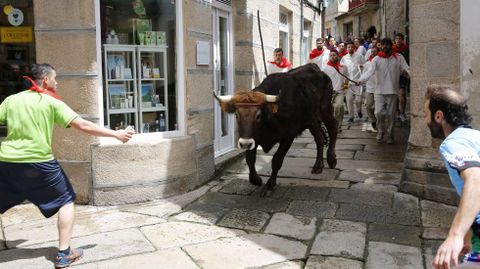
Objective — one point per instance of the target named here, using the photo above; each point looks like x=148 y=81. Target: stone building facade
x=443 y=51
x=212 y=45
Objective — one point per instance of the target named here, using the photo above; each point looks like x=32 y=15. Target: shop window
x=283 y=35
x=17 y=47
x=139 y=71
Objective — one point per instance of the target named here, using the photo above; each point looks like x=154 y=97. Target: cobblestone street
x=350 y=217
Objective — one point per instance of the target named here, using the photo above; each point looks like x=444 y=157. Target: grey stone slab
x=285 y=265
x=287 y=182
x=430 y=248
x=393 y=233
x=374 y=187
x=2 y=238
x=319 y=262
x=248 y=202
x=248 y=251
x=405 y=210
x=202 y=213
x=292 y=167
x=379 y=156
x=278 y=192
x=377 y=166
x=371 y=177
x=383 y=255
x=98 y=222
x=97 y=247
x=340 y=238
x=307 y=193
x=303 y=140
x=241 y=187
x=244 y=219
x=436 y=214
x=435 y=233
x=312 y=153
x=162 y=259
x=340 y=147
x=360 y=212
x=298 y=227
x=355 y=134
x=312 y=208
x=361 y=196
x=393 y=148
x=179 y=234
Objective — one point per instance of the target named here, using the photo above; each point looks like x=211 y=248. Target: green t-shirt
x=29 y=117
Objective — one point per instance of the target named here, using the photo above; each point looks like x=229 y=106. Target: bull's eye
x=258 y=115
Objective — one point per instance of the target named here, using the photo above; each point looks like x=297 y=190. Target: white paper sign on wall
x=203 y=52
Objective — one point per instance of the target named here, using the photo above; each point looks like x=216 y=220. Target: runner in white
x=354 y=63
x=332 y=69
x=320 y=54
x=279 y=64
x=371 y=86
x=387 y=66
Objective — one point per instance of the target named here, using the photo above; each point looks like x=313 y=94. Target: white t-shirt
x=361 y=50
x=372 y=81
x=352 y=62
x=387 y=71
x=322 y=59
x=273 y=68
x=337 y=79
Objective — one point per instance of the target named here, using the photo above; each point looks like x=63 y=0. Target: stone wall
x=434 y=59
x=63 y=27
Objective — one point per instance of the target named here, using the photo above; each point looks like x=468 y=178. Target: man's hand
x=124 y=135
x=448 y=252
x=358 y=83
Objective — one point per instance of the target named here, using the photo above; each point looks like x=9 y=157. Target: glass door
x=223 y=84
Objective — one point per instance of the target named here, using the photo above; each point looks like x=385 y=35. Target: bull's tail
x=324 y=132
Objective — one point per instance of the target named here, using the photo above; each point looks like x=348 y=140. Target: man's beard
x=436 y=130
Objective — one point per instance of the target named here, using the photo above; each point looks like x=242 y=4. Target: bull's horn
x=271 y=98
x=222 y=98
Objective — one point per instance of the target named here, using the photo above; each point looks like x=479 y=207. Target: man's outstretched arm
x=95 y=130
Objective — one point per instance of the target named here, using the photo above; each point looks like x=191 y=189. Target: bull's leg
x=332 y=129
x=316 y=131
x=277 y=162
x=251 y=158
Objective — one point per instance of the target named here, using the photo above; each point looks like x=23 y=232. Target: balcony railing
x=358 y=3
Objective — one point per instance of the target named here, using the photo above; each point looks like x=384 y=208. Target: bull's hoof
x=266 y=191
x=317 y=169
x=332 y=163
x=255 y=180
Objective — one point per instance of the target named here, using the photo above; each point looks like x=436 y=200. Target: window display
x=138 y=38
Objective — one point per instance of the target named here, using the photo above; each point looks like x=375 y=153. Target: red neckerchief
x=343 y=53
x=336 y=65
x=371 y=57
x=315 y=53
x=283 y=64
x=386 y=56
x=35 y=88
x=401 y=49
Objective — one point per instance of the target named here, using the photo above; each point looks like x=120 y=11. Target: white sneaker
x=380 y=137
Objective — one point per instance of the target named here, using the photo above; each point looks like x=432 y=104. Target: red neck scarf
x=401 y=49
x=283 y=64
x=371 y=57
x=336 y=65
x=386 y=56
x=35 y=88
x=315 y=53
x=343 y=53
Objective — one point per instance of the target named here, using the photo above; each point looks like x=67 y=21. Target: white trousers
x=385 y=108
x=354 y=97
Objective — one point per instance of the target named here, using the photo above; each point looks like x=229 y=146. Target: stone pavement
x=345 y=218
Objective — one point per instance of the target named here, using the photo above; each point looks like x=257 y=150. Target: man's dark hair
x=349 y=42
x=334 y=50
x=278 y=50
x=450 y=102
x=400 y=35
x=39 y=71
x=320 y=39
x=386 y=41
x=374 y=38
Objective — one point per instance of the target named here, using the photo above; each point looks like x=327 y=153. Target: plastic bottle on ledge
x=162 y=123
x=157 y=126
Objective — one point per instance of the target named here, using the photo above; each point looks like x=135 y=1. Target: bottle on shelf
x=162 y=123
x=157 y=126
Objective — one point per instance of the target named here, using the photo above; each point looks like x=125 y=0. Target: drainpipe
x=301 y=31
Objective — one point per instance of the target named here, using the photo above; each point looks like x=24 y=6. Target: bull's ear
x=227 y=107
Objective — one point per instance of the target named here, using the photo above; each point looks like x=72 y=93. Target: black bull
x=280 y=109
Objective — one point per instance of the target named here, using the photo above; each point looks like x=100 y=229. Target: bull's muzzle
x=246 y=143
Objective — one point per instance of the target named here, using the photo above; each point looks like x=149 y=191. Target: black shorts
x=44 y=184
x=403 y=82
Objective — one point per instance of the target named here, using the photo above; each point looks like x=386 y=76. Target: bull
x=280 y=109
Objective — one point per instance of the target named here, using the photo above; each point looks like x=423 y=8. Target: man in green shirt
x=28 y=169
